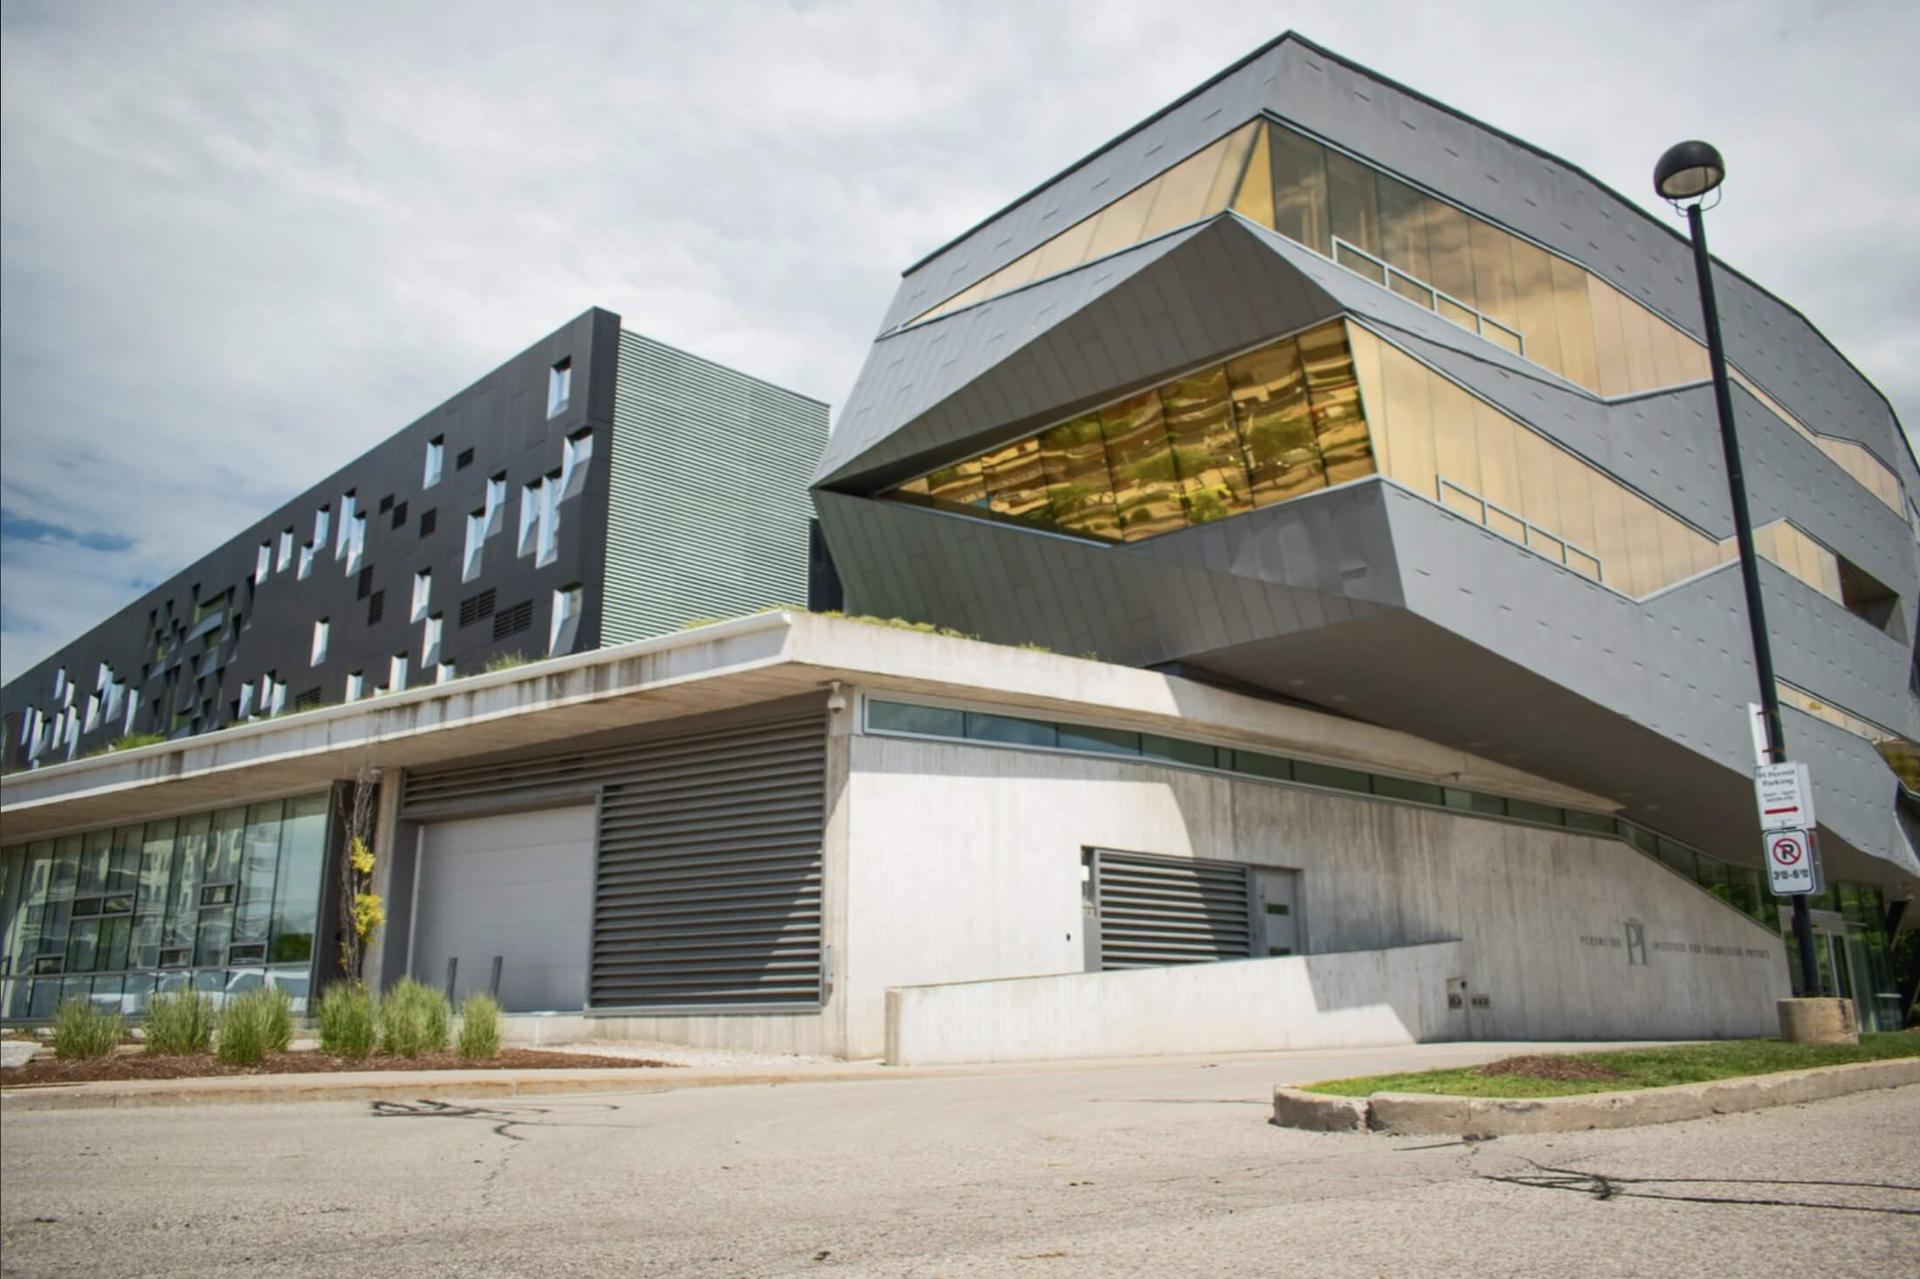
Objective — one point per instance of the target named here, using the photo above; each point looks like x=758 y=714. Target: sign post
x=1785 y=795
x=1793 y=863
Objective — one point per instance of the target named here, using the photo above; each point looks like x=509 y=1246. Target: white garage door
x=518 y=887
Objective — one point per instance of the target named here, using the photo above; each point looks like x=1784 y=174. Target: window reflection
x=206 y=891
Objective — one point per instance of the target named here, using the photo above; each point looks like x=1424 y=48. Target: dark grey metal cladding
x=708 y=873
x=909 y=375
x=1674 y=670
x=1189 y=297
x=1506 y=180
x=503 y=419
x=1313 y=562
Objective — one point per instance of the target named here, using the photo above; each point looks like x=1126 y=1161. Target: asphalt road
x=1151 y=1170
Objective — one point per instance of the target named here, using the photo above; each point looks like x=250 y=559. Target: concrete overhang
x=741 y=662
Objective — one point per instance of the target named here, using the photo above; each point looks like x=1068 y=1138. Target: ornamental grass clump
x=479 y=1038
x=414 y=1019
x=253 y=1025
x=82 y=1032
x=179 y=1024
x=345 y=1020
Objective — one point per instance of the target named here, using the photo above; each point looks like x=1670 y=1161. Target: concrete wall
x=1359 y=999
x=964 y=866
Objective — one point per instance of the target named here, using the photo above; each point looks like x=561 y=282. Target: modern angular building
x=596 y=488
x=1320 y=496
x=1314 y=386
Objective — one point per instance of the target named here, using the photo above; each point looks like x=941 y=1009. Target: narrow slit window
x=436 y=461
x=565 y=625
x=321 y=629
x=559 y=386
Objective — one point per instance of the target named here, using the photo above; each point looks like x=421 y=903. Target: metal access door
x=1276 y=908
x=517 y=887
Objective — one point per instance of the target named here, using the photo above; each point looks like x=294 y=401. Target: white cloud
x=239 y=246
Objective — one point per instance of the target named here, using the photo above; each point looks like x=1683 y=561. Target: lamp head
x=1688 y=171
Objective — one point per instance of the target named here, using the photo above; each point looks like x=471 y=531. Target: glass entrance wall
x=221 y=902
x=1853 y=958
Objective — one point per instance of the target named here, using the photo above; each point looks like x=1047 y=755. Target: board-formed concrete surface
x=1159 y=1169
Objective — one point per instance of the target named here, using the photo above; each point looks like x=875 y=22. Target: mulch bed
x=47 y=1070
x=1547 y=1066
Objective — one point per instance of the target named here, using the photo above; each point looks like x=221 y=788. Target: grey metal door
x=519 y=887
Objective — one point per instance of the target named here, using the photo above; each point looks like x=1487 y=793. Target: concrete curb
x=398 y=1085
x=1432 y=1115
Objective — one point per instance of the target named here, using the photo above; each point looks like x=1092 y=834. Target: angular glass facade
x=221 y=901
x=1501 y=286
x=1332 y=404
x=1436 y=439
x=1197 y=187
x=1267 y=426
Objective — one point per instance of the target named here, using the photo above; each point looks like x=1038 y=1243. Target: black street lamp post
x=1684 y=176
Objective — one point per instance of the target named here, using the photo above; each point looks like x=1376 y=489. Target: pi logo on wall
x=1636 y=943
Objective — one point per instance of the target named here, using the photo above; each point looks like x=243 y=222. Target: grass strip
x=1640 y=1068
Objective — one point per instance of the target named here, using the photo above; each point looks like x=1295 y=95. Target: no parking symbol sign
x=1793 y=866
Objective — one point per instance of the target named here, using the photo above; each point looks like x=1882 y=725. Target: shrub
x=178 y=1024
x=413 y=1019
x=345 y=1020
x=479 y=1028
x=506 y=662
x=82 y=1031
x=255 y=1024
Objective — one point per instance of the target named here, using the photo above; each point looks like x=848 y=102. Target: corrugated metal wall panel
x=1161 y=910
x=707 y=857
x=708 y=506
x=708 y=891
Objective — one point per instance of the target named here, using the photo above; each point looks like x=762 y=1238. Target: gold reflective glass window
x=1449 y=446
x=1079 y=486
x=1275 y=423
x=1339 y=429
x=1146 y=495
x=1300 y=190
x=1199 y=186
x=1215 y=443
x=1206 y=448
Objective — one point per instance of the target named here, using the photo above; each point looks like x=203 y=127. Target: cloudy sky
x=239 y=243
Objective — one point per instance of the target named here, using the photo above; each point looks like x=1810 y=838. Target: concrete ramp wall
x=1356 y=999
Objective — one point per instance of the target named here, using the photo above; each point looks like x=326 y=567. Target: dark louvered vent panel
x=1158 y=910
x=400 y=515
x=365 y=586
x=376 y=607
x=513 y=620
x=707 y=891
x=428 y=520
x=463 y=460
x=475 y=607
